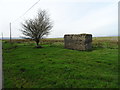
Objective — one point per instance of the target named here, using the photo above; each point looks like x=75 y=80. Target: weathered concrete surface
x=0 y=65
x=78 y=41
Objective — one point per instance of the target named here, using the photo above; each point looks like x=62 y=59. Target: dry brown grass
x=97 y=41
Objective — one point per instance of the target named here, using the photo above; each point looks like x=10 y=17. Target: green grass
x=55 y=67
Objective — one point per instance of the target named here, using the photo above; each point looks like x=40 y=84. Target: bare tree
x=36 y=28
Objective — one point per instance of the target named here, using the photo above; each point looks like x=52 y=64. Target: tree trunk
x=37 y=42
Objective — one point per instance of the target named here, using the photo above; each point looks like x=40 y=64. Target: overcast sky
x=96 y=17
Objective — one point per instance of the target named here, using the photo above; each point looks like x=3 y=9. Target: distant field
x=53 y=66
x=113 y=39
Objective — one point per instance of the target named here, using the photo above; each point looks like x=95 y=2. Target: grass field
x=53 y=66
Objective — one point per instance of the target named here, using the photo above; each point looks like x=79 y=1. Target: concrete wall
x=78 y=41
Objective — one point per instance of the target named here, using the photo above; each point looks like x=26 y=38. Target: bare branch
x=38 y=27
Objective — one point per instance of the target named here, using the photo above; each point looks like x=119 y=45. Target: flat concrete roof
x=83 y=34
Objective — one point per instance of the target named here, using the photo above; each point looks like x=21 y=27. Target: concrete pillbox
x=78 y=41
